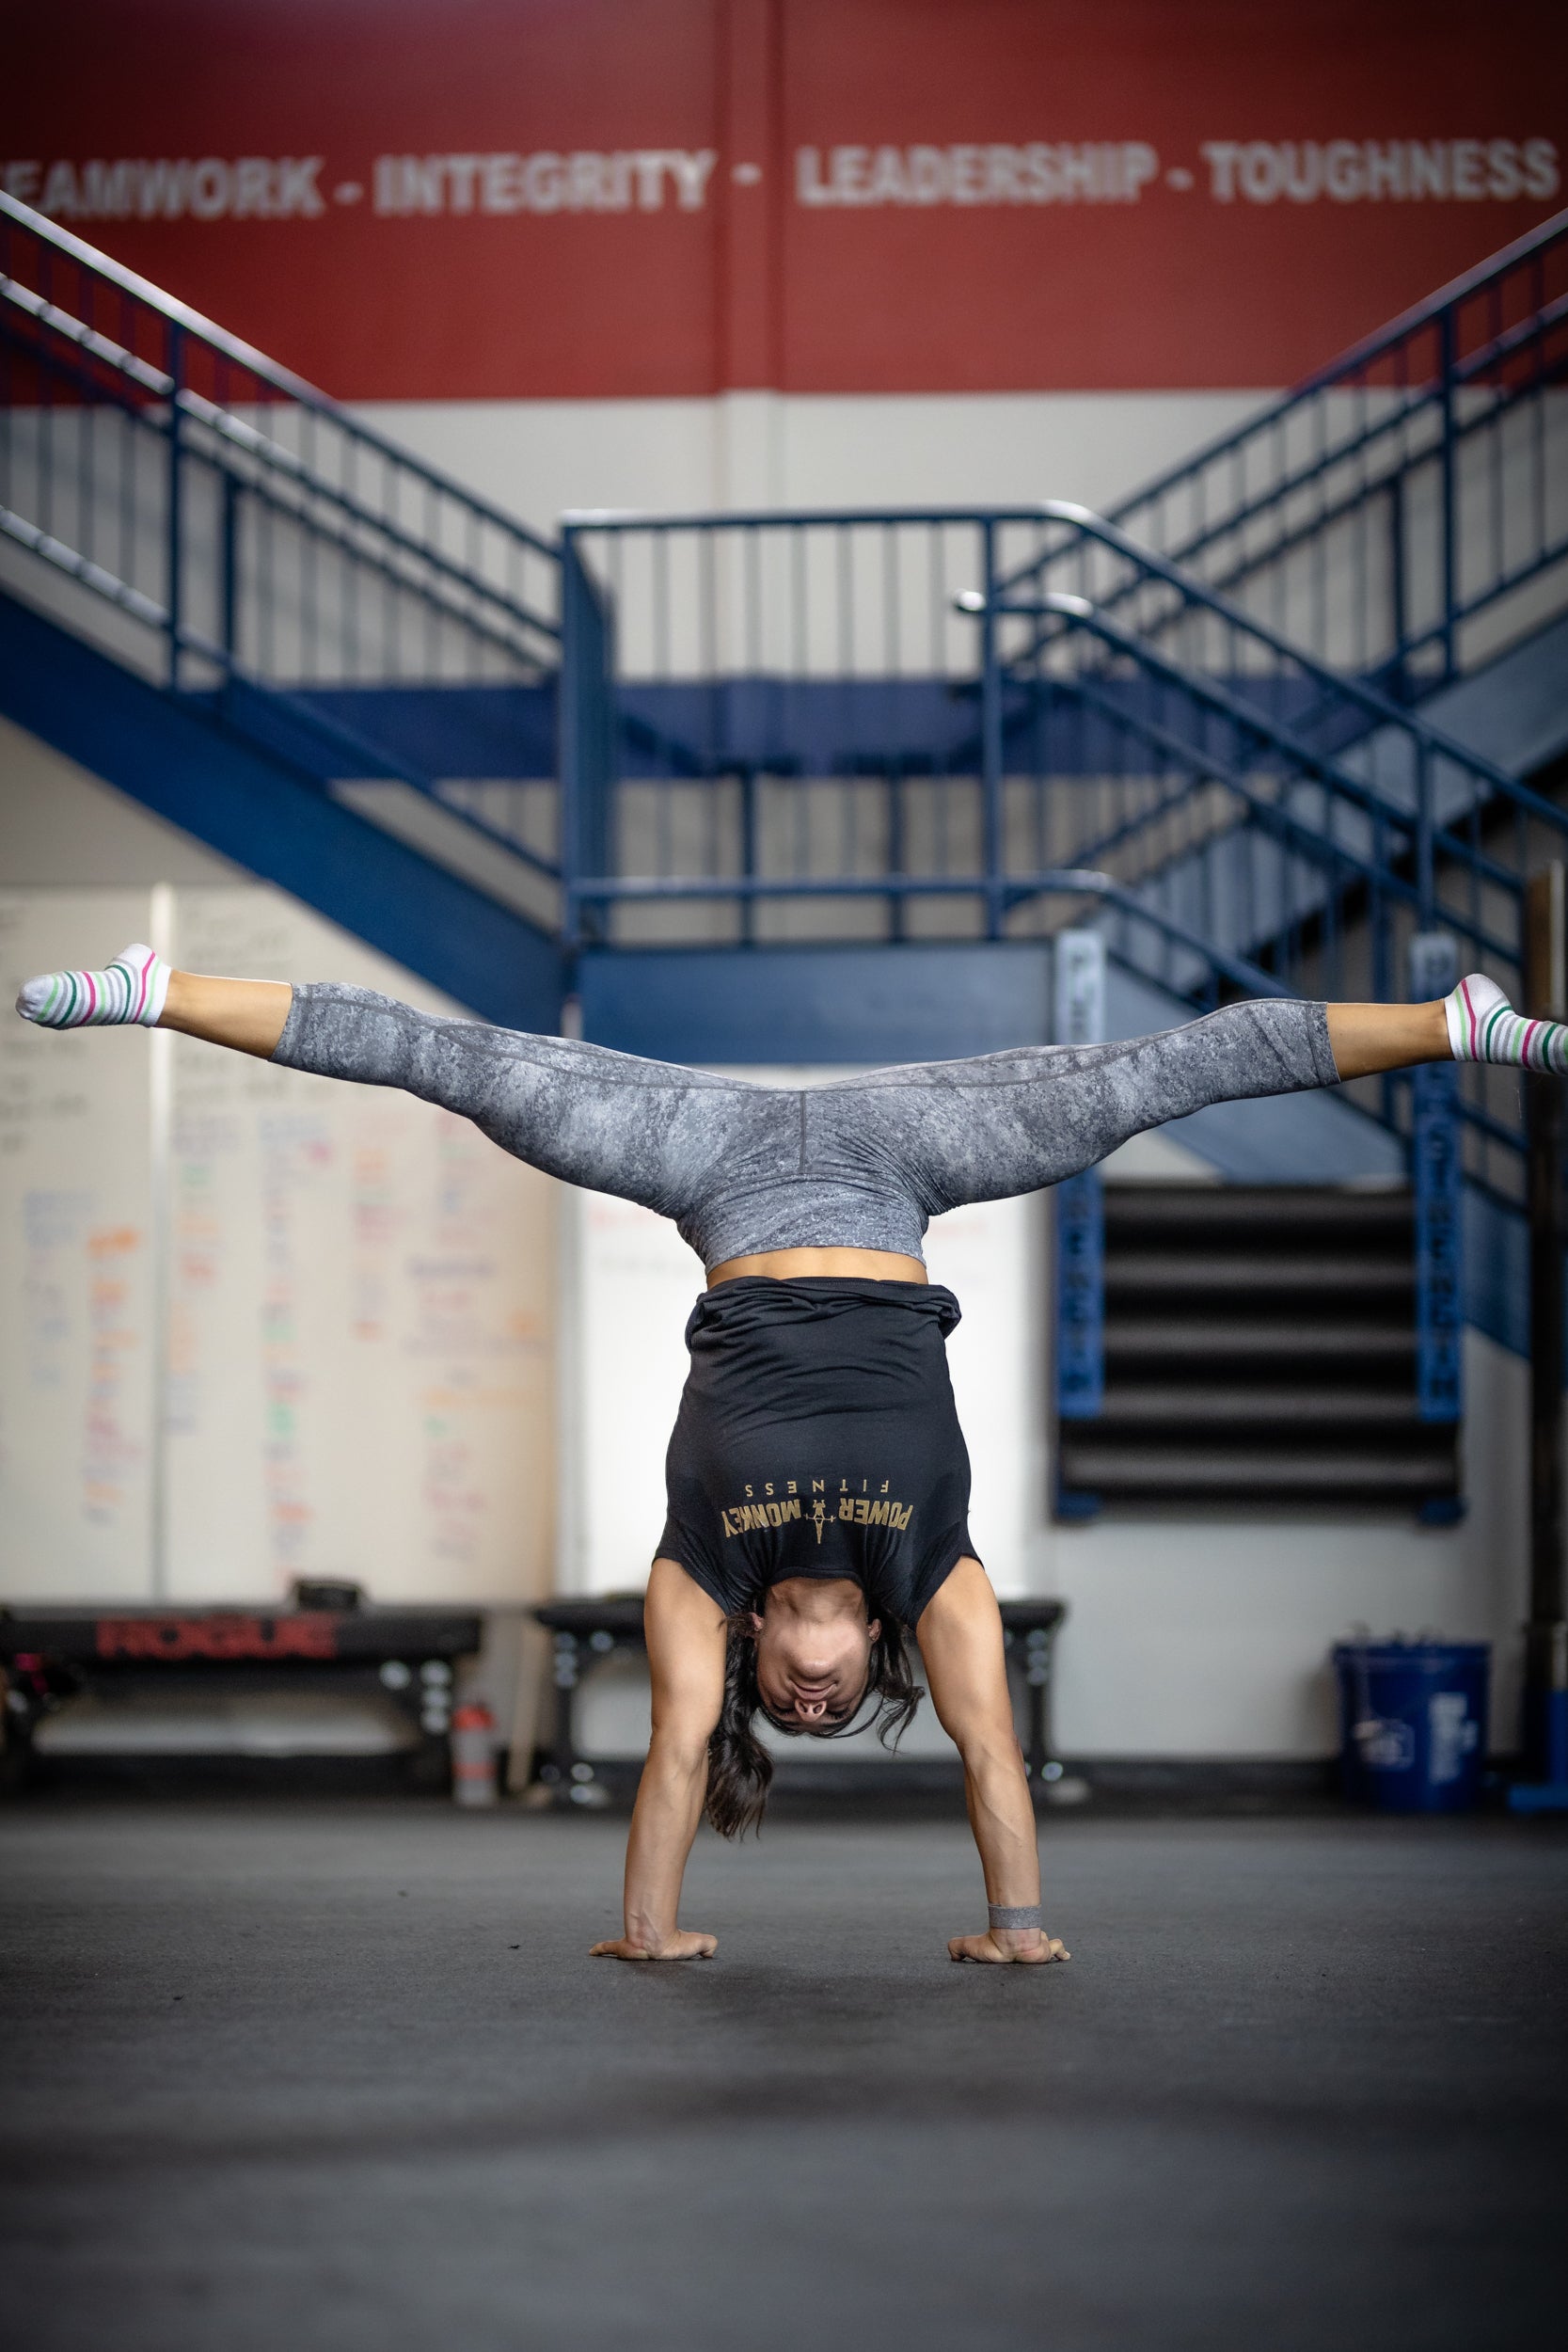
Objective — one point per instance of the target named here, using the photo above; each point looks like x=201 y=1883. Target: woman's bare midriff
x=799 y=1265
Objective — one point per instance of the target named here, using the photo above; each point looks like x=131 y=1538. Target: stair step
x=1262 y=1214
x=1362 y=1274
x=1189 y=1339
x=1287 y=1409
x=1232 y=1472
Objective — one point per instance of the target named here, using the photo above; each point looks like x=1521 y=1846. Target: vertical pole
x=229 y=560
x=748 y=850
x=1426 y=885
x=1448 y=518
x=1435 y=1175
x=585 y=726
x=1080 y=1221
x=1546 y=1728
x=172 y=563
x=991 y=739
x=898 y=905
x=1398 y=619
x=160 y=931
x=569 y=748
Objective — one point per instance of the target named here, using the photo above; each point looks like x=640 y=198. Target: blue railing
x=774 y=725
x=1331 y=826
x=228 y=530
x=1403 y=513
x=904 y=724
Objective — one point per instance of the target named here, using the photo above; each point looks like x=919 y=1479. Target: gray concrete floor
x=338 y=2078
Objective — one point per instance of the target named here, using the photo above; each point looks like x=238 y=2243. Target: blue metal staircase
x=1402 y=515
x=823 y=786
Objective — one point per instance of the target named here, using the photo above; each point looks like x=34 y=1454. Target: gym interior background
x=786 y=536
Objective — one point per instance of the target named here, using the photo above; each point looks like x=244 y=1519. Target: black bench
x=587 y=1632
x=50 y=1654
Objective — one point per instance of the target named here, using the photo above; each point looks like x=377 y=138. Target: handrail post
x=172 y=562
x=748 y=851
x=1400 y=618
x=585 y=727
x=569 y=749
x=1425 y=877
x=991 y=736
x=1446 y=344
x=1435 y=1177
x=1078 y=1205
x=229 y=578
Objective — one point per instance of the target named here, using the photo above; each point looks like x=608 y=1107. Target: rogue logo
x=221 y=1637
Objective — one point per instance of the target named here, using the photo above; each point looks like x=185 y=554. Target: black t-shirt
x=818 y=1436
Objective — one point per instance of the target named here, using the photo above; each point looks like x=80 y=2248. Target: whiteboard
x=76 y=1302
x=362 y=1343
x=358 y=1307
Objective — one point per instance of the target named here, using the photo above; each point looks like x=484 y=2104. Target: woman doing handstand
x=817 y=1479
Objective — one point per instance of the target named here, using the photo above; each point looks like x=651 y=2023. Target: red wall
x=934 y=194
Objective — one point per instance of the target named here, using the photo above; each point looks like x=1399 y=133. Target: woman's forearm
x=1002 y=1820
x=663 y=1826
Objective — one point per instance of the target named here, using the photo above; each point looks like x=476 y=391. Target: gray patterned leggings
x=863 y=1163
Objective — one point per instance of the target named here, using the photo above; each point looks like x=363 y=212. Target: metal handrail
x=1415 y=825
x=1065 y=881
x=1295 y=833
x=1360 y=355
x=281 y=379
x=1289 y=484
x=581 y=521
x=263 y=451
x=1334 y=682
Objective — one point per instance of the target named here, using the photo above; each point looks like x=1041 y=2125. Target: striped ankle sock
x=1484 y=1026
x=133 y=989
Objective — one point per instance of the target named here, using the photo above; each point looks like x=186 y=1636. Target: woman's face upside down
x=814 y=1646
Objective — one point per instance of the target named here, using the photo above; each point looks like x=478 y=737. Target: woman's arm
x=960 y=1646
x=686 y=1667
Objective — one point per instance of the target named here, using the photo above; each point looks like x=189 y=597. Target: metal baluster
x=991 y=735
x=228 y=574
x=1446 y=344
x=173 y=517
x=1495 y=428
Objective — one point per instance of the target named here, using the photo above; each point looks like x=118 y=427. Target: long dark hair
x=739 y=1768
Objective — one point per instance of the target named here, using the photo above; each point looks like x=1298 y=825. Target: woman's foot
x=1484 y=1026
x=133 y=989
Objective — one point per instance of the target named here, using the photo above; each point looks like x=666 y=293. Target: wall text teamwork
x=625 y=180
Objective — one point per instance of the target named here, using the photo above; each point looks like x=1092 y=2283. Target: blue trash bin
x=1413 y=1723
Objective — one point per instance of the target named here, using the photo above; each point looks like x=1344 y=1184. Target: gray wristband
x=1014 y=1914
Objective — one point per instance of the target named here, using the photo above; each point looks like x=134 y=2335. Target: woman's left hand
x=998 y=1946
x=685 y=1943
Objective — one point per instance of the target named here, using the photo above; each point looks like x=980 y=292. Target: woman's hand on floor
x=999 y=1946
x=686 y=1943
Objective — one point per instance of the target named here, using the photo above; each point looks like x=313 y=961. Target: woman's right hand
x=685 y=1943
x=1003 y=1945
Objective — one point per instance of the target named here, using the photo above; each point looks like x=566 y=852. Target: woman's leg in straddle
x=1367 y=1038
x=1014 y=1122
x=646 y=1131
x=248 y=1015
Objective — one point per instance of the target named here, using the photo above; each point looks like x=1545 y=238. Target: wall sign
x=523 y=198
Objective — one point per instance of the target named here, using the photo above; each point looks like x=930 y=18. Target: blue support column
x=992 y=739
x=1081 y=1297
x=586 y=718
x=1079 y=1226
x=1438 y=1283
x=1436 y=1181
x=1543 y=1787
